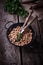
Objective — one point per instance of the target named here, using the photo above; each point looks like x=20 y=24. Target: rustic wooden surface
x=10 y=54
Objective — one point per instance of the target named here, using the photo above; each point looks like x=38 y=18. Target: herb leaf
x=19 y=37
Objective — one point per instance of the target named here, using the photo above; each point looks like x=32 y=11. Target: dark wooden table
x=10 y=54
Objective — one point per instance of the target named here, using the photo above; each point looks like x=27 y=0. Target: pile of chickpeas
x=26 y=39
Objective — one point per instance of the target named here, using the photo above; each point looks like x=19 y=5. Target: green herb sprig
x=19 y=37
x=15 y=7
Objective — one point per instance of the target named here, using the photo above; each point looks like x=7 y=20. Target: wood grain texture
x=10 y=54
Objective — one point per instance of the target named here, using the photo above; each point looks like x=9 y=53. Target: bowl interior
x=20 y=24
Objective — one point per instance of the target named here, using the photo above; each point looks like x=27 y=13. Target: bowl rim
x=20 y=24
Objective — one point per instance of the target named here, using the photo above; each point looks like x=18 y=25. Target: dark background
x=30 y=55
